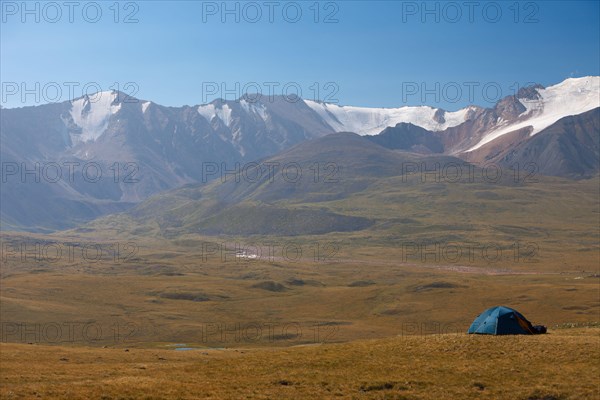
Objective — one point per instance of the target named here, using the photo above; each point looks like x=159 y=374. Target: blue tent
x=501 y=321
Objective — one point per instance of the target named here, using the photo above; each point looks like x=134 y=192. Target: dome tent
x=502 y=320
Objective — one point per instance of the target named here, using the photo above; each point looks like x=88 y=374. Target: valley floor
x=560 y=365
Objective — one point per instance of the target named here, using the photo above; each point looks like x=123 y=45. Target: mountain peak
x=115 y=96
x=529 y=92
x=542 y=107
x=92 y=114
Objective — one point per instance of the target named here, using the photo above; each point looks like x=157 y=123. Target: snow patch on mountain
x=210 y=111
x=92 y=115
x=371 y=121
x=145 y=106
x=253 y=108
x=571 y=97
x=224 y=114
x=207 y=111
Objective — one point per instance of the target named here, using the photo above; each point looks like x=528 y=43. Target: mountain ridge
x=142 y=148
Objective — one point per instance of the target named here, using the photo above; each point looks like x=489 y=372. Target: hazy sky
x=444 y=54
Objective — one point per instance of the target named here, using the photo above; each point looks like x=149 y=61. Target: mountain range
x=64 y=164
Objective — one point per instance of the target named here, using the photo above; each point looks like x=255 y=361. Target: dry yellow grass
x=561 y=365
x=361 y=304
x=350 y=301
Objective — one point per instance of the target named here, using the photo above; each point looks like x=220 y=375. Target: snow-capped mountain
x=91 y=116
x=533 y=108
x=518 y=118
x=544 y=107
x=371 y=121
x=166 y=147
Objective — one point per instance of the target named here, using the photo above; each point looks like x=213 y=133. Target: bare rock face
x=530 y=92
x=439 y=116
x=509 y=108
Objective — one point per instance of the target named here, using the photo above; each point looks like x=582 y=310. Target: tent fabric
x=501 y=321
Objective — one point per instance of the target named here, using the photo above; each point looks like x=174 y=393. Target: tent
x=502 y=321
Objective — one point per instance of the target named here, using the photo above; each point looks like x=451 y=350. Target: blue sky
x=380 y=54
